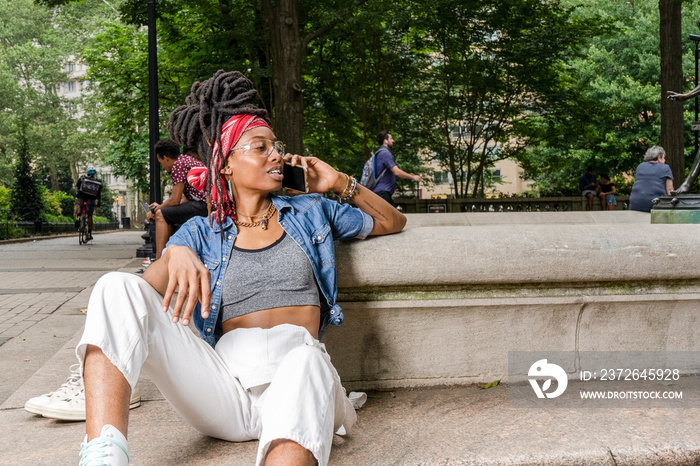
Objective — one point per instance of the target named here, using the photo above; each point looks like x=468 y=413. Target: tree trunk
x=282 y=17
x=672 y=80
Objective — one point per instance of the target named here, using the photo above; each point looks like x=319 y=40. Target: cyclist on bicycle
x=89 y=190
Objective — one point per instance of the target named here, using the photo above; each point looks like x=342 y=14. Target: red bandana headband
x=231 y=133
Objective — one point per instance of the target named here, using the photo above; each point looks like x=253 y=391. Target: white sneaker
x=357 y=399
x=70 y=388
x=109 y=449
x=68 y=402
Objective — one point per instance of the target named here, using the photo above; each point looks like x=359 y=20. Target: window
x=457 y=131
x=442 y=178
x=70 y=67
x=70 y=86
x=493 y=151
x=496 y=174
x=464 y=131
x=107 y=178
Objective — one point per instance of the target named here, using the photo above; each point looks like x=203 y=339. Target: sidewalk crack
x=577 y=357
x=612 y=457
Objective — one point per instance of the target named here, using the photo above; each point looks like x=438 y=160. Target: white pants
x=261 y=384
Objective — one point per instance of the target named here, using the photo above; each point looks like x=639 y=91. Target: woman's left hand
x=320 y=176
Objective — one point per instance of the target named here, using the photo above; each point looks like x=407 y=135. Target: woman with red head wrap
x=258 y=280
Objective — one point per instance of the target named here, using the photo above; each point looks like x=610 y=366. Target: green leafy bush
x=58 y=218
x=4 y=203
x=67 y=205
x=57 y=203
x=623 y=185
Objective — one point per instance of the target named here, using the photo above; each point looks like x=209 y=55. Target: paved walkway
x=45 y=284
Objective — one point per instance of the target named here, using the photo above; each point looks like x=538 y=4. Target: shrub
x=9 y=231
x=4 y=203
x=58 y=203
x=68 y=205
x=58 y=218
x=623 y=185
x=25 y=198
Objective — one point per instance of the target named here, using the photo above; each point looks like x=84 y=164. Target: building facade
x=125 y=200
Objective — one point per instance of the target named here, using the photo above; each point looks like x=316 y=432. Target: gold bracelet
x=345 y=191
x=350 y=189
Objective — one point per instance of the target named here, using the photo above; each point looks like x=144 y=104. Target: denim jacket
x=311 y=220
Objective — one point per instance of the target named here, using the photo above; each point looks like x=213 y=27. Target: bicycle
x=83 y=224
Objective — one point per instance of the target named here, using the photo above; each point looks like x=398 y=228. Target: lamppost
x=148 y=249
x=696 y=38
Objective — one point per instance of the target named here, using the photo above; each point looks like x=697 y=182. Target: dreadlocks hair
x=210 y=104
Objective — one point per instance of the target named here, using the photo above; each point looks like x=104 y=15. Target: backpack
x=369 y=178
x=90 y=186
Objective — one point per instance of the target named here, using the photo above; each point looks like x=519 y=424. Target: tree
x=671 y=79
x=489 y=67
x=36 y=44
x=271 y=37
x=356 y=83
x=611 y=113
x=30 y=70
x=25 y=199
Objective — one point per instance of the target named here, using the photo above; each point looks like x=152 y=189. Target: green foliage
x=612 y=114
x=52 y=204
x=67 y=205
x=36 y=44
x=25 y=199
x=4 y=202
x=488 y=67
x=555 y=84
x=58 y=203
x=107 y=202
x=356 y=84
x=58 y=218
x=623 y=185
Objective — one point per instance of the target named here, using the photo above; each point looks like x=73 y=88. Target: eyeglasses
x=262 y=147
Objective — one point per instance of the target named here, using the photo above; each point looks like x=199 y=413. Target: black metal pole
x=148 y=249
x=153 y=126
x=696 y=98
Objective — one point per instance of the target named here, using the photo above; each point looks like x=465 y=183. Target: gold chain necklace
x=266 y=217
x=256 y=214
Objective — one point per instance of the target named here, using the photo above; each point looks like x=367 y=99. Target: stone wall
x=506 y=204
x=445 y=300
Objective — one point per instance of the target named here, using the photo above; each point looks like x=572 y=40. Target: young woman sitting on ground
x=258 y=279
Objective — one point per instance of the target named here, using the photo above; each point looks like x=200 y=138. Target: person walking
x=385 y=163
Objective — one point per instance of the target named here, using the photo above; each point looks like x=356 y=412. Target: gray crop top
x=275 y=276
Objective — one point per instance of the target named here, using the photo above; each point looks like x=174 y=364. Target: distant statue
x=695 y=170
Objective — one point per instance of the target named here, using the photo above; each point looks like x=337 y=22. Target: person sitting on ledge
x=258 y=279
x=652 y=179
x=184 y=202
x=607 y=193
x=587 y=184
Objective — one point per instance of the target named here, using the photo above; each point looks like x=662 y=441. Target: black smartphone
x=294 y=178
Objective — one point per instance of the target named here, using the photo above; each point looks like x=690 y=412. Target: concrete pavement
x=45 y=284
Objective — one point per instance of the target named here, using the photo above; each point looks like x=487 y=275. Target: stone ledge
x=520 y=253
x=444 y=304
